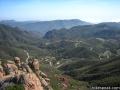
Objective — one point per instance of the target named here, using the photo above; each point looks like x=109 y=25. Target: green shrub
x=15 y=87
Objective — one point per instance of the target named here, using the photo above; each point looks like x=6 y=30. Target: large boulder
x=32 y=82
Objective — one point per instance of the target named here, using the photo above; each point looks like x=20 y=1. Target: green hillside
x=86 y=55
x=13 y=42
x=102 y=30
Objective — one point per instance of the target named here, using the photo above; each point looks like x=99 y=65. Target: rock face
x=27 y=74
x=32 y=82
x=1 y=74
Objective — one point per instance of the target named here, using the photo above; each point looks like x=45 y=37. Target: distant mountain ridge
x=45 y=26
x=13 y=40
x=14 y=35
x=101 y=30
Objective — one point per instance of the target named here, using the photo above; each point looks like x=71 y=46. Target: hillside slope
x=102 y=73
x=88 y=53
x=14 y=41
x=102 y=30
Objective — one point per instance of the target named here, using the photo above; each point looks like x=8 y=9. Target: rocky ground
x=22 y=73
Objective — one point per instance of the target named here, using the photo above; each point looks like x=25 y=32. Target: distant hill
x=90 y=41
x=14 y=41
x=13 y=35
x=44 y=26
x=102 y=30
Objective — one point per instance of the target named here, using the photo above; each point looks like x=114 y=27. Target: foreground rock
x=28 y=74
x=32 y=82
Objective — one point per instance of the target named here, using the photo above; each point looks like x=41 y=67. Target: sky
x=44 y=10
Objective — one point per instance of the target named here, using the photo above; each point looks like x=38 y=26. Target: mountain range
x=86 y=52
x=44 y=26
x=14 y=41
x=101 y=30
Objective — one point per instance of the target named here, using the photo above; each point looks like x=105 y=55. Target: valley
x=86 y=55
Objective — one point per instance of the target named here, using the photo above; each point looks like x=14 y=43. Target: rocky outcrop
x=32 y=82
x=28 y=74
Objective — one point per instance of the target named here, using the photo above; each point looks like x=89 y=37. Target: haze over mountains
x=102 y=30
x=44 y=26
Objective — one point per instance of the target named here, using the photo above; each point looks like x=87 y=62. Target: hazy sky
x=87 y=10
